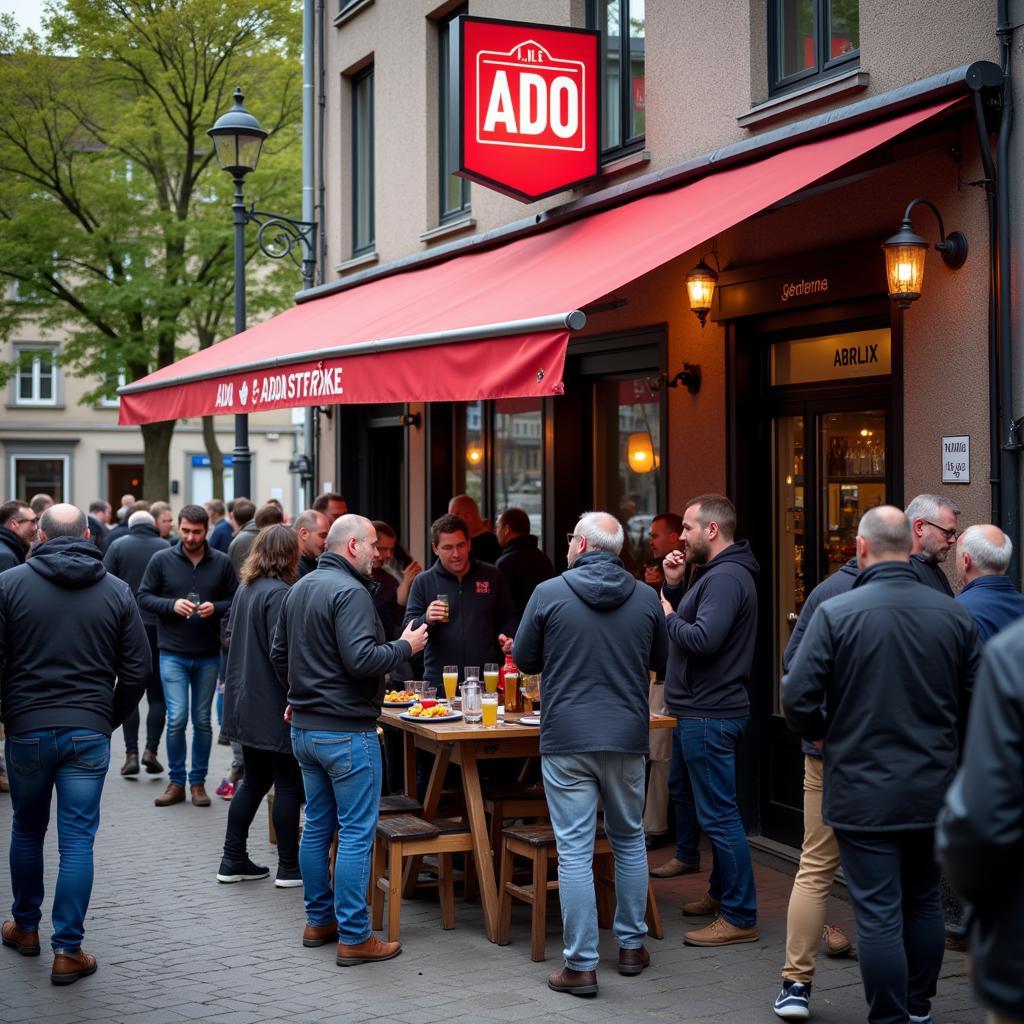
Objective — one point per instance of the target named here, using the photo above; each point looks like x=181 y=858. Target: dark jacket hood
x=145 y=529
x=738 y=553
x=69 y=562
x=850 y=568
x=599 y=580
x=885 y=570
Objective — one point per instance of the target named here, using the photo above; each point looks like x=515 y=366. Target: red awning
x=490 y=324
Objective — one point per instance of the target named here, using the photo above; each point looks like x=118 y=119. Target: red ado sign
x=528 y=106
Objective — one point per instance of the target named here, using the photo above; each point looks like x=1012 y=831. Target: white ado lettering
x=542 y=104
x=281 y=387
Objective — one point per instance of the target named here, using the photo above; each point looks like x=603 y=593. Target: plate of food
x=432 y=711
x=400 y=698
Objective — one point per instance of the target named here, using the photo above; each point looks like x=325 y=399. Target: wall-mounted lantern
x=905 y=252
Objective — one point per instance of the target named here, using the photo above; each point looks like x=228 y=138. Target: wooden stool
x=407 y=836
x=537 y=844
x=389 y=807
x=511 y=803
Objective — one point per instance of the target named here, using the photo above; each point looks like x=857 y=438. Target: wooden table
x=465 y=745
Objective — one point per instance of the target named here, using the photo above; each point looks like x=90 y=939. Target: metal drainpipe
x=1010 y=454
x=308 y=204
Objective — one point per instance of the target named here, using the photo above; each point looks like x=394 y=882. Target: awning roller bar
x=574 y=320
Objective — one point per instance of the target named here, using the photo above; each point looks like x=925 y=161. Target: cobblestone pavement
x=173 y=945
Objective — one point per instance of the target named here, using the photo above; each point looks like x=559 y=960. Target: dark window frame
x=360 y=80
x=825 y=66
x=634 y=143
x=446 y=214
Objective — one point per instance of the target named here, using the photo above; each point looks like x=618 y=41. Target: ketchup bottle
x=508 y=681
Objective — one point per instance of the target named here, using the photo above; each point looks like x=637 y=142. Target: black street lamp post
x=238 y=138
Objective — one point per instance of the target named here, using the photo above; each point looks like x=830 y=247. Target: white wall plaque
x=956 y=459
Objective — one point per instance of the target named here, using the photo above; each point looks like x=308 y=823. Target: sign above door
x=526 y=100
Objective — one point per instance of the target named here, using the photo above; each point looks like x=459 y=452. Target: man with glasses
x=934 y=525
x=18 y=528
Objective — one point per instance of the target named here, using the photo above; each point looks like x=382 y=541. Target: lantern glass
x=238 y=151
x=700 y=288
x=640 y=452
x=904 y=268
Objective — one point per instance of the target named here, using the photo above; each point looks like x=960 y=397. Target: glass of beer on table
x=531 y=690
x=450 y=675
x=491 y=677
x=490 y=710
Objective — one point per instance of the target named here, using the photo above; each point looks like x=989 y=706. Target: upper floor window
x=36 y=380
x=623 y=40
x=454 y=191
x=362 y=162
x=808 y=38
x=111 y=382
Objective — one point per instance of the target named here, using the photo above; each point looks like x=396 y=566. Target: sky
x=27 y=13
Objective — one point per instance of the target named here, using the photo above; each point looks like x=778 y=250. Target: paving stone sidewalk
x=174 y=946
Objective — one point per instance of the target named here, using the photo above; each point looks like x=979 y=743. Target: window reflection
x=518 y=458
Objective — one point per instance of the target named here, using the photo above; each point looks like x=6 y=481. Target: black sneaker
x=241 y=871
x=288 y=878
x=131 y=765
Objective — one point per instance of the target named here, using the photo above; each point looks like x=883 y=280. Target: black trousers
x=263 y=769
x=894 y=885
x=157 y=709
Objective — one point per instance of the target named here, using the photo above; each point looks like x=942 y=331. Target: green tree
x=115 y=219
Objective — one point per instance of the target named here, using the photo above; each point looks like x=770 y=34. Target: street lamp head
x=238 y=138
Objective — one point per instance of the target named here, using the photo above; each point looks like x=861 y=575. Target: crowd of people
x=301 y=623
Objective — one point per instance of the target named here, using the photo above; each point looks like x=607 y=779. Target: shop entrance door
x=829 y=466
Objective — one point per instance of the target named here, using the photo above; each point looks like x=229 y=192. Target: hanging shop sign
x=956 y=459
x=525 y=105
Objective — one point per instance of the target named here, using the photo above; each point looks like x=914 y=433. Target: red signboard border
x=459 y=77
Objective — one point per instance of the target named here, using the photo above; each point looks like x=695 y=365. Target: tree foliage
x=115 y=219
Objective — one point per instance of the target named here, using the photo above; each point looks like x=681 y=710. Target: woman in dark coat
x=254 y=705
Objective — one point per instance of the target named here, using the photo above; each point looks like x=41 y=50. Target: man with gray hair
x=934 y=524
x=595 y=633
x=983 y=555
x=331 y=651
x=881 y=678
x=62 y=691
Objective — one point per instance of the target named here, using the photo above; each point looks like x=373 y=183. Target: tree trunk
x=156 y=439
x=216 y=456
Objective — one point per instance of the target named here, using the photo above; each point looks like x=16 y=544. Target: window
x=454 y=191
x=519 y=458
x=111 y=399
x=622 y=27
x=362 y=162
x=40 y=474
x=810 y=38
x=36 y=379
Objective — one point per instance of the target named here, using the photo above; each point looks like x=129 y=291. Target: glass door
x=790 y=533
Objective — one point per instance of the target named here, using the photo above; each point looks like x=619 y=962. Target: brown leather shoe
x=720 y=933
x=26 y=943
x=319 y=934
x=173 y=794
x=674 y=867
x=703 y=907
x=199 y=797
x=69 y=967
x=577 y=983
x=633 y=961
x=369 y=952
x=131 y=765
x=836 y=942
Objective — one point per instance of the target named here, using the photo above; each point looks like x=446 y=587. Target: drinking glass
x=531 y=690
x=450 y=675
x=472 y=702
x=471 y=674
x=489 y=703
x=194 y=599
x=443 y=598
x=491 y=677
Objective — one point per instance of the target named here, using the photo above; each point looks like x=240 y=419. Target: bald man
x=882 y=676
x=983 y=555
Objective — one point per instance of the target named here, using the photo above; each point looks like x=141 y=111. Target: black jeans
x=263 y=769
x=157 y=712
x=894 y=885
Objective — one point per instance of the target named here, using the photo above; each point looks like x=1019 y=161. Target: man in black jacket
x=711 y=630
x=522 y=562
x=127 y=558
x=934 y=524
x=18 y=527
x=893 y=662
x=188 y=588
x=330 y=648
x=480 y=617
x=62 y=691
x=311 y=527
x=595 y=633
x=981 y=828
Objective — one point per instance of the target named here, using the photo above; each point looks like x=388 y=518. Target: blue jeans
x=183 y=677
x=709 y=749
x=75 y=762
x=341 y=772
x=573 y=784
x=681 y=792
x=901 y=937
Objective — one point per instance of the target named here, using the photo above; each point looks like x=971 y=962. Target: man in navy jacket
x=982 y=557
